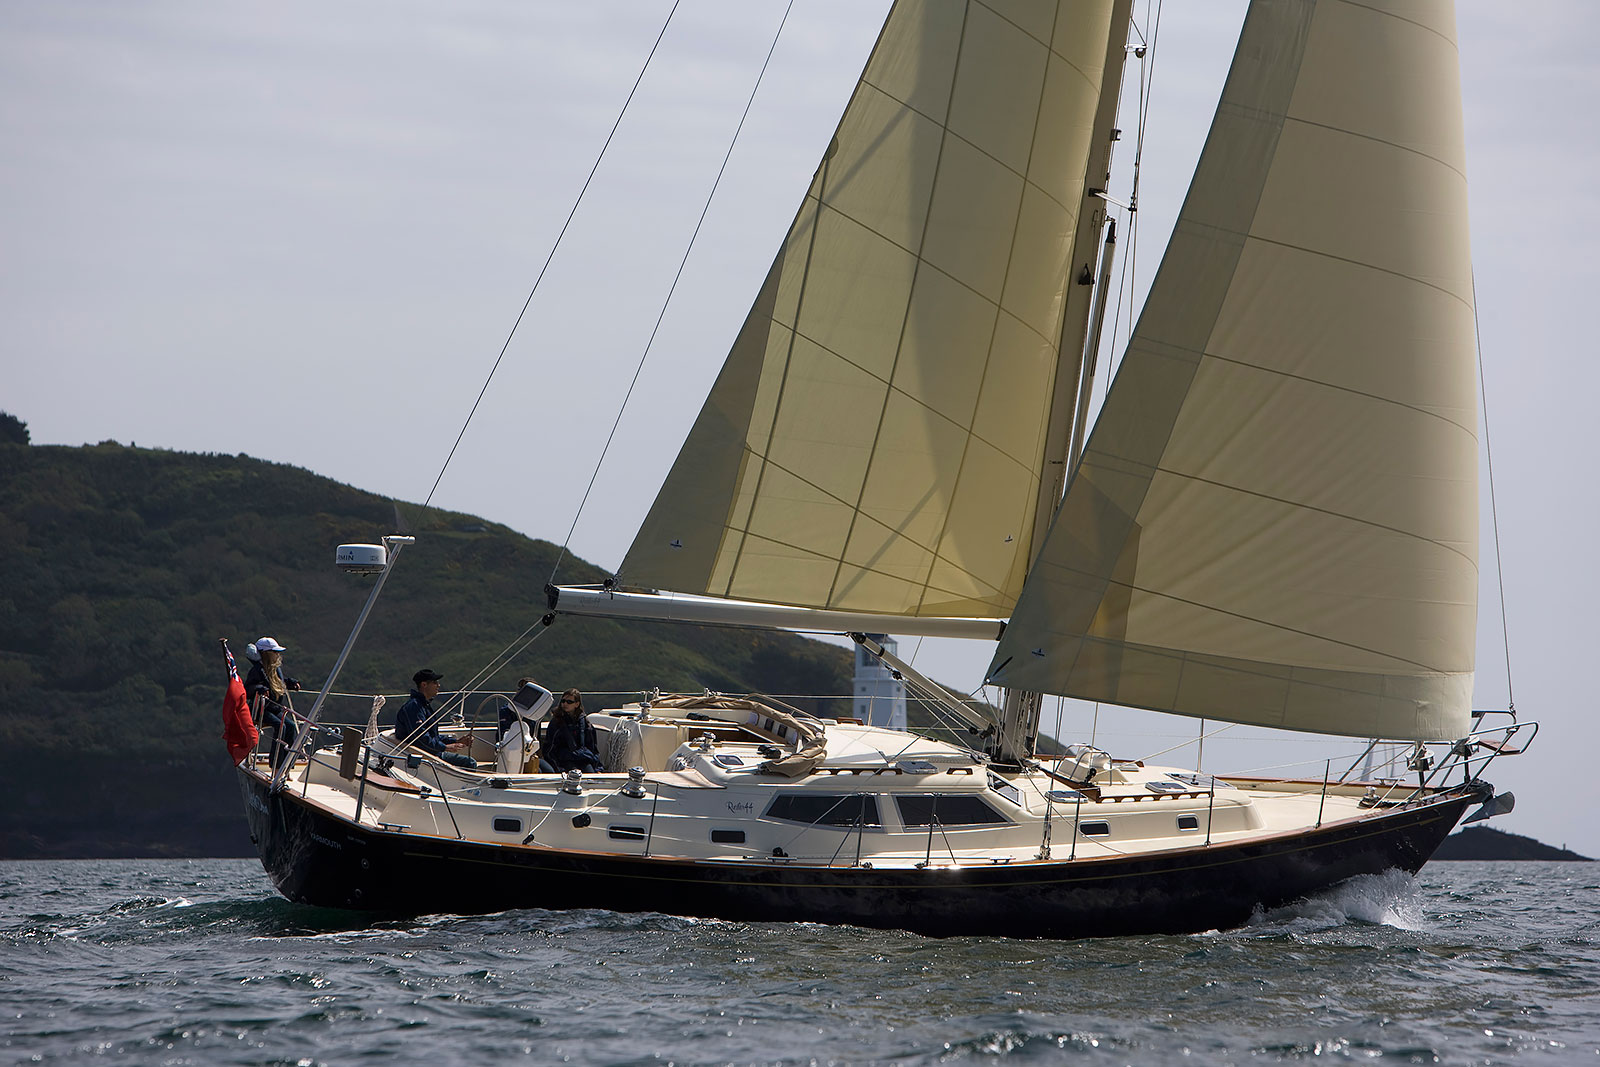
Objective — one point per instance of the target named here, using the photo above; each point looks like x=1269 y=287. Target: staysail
x=875 y=439
x=1275 y=518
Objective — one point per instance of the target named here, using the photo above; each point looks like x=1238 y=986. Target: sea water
x=199 y=961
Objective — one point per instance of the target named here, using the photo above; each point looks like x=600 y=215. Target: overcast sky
x=303 y=232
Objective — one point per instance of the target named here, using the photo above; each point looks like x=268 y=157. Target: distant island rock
x=1482 y=843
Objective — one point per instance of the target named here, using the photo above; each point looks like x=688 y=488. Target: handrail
x=1493 y=753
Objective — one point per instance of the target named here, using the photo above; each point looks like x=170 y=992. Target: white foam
x=1392 y=898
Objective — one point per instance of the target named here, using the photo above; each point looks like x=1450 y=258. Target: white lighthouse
x=880 y=697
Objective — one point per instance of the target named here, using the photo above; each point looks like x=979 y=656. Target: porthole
x=625 y=833
x=1188 y=822
x=507 y=826
x=1094 y=829
x=727 y=837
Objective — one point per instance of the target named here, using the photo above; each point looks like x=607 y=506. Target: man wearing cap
x=416 y=724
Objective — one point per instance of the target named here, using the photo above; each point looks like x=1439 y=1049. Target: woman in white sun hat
x=268 y=690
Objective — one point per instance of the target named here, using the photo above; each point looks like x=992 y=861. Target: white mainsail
x=1275 y=518
x=875 y=439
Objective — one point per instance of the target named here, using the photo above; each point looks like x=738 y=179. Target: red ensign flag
x=238 y=732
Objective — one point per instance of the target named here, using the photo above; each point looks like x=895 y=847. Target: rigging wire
x=1147 y=66
x=1494 y=511
x=511 y=651
x=1147 y=70
x=1147 y=78
x=671 y=290
x=551 y=256
x=1186 y=742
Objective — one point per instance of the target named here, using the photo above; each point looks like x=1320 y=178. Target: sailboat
x=1273 y=520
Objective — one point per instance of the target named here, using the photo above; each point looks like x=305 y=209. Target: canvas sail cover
x=874 y=440
x=1275 y=518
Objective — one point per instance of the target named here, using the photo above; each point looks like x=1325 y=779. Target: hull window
x=727 y=837
x=948 y=810
x=1094 y=829
x=1188 y=822
x=826 y=809
x=507 y=826
x=625 y=833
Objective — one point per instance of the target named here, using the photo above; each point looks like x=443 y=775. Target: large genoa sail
x=875 y=439
x=1275 y=519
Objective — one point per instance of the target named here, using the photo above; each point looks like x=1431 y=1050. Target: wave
x=1392 y=898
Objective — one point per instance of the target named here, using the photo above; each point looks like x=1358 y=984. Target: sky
x=303 y=232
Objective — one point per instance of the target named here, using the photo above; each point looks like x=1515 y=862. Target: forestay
x=1275 y=519
x=875 y=438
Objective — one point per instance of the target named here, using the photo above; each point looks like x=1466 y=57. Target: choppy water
x=150 y=961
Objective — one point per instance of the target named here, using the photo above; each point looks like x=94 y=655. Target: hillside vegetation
x=124 y=566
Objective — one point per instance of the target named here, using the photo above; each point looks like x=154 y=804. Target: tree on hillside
x=13 y=431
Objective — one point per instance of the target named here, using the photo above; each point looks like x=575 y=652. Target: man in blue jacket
x=416 y=724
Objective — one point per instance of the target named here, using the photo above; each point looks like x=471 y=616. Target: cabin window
x=948 y=809
x=625 y=833
x=1188 y=822
x=727 y=837
x=1094 y=829
x=507 y=826
x=826 y=809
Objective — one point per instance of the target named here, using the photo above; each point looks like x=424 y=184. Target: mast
x=1019 y=720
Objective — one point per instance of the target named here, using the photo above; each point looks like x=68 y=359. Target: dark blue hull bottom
x=315 y=857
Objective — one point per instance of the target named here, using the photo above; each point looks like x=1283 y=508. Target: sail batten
x=875 y=440
x=1275 y=518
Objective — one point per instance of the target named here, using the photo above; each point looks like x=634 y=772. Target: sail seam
x=1002 y=164
x=1319 y=510
x=1396 y=145
x=1292 y=676
x=1013 y=316
x=1260 y=622
x=872 y=519
x=1358 y=263
x=783 y=381
x=1401 y=18
x=954 y=593
x=1025 y=523
x=1026 y=467
x=907 y=581
x=922 y=241
x=821 y=177
x=1047 y=45
x=1211 y=231
x=1343 y=389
